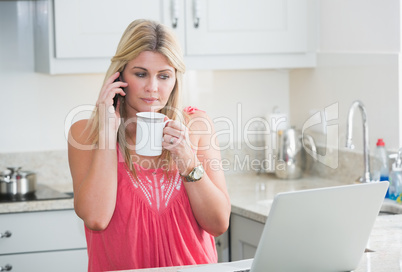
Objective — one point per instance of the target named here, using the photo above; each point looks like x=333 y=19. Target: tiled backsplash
x=52 y=166
x=344 y=164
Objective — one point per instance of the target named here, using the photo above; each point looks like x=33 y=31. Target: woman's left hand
x=176 y=139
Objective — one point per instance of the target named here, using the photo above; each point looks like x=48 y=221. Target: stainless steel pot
x=14 y=181
x=291 y=157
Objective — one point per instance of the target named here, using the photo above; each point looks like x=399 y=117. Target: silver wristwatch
x=195 y=174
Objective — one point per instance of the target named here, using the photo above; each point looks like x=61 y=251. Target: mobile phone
x=116 y=97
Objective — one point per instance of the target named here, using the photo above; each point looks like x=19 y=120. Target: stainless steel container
x=291 y=156
x=14 y=181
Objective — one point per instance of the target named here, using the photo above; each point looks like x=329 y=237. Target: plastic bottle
x=395 y=178
x=381 y=163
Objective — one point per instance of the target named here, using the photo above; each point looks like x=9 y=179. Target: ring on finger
x=171 y=140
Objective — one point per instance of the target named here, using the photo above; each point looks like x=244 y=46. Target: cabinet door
x=93 y=28
x=232 y=27
x=41 y=231
x=60 y=261
x=222 y=247
x=245 y=235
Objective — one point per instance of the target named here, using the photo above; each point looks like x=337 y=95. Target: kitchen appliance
x=291 y=156
x=42 y=192
x=17 y=185
x=14 y=181
x=276 y=121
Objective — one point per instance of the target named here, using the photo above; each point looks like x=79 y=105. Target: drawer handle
x=175 y=12
x=196 y=13
x=5 y=235
x=7 y=267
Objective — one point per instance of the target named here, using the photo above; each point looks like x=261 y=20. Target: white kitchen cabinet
x=245 y=235
x=254 y=34
x=81 y=36
x=93 y=28
x=222 y=247
x=60 y=261
x=43 y=241
x=233 y=27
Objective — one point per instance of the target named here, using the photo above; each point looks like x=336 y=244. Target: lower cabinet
x=55 y=241
x=42 y=241
x=60 y=261
x=222 y=247
x=245 y=235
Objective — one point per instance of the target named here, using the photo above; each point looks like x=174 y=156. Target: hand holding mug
x=176 y=139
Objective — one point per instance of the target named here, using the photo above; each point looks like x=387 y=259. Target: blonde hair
x=144 y=35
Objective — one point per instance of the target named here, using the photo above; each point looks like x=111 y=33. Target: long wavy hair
x=144 y=35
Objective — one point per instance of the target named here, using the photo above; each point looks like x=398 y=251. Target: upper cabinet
x=93 y=28
x=233 y=27
x=80 y=36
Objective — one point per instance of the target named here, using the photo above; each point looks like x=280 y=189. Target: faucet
x=366 y=150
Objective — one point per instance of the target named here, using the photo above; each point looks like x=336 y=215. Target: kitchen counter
x=251 y=196
x=41 y=205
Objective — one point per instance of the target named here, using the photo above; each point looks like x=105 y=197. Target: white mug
x=149 y=133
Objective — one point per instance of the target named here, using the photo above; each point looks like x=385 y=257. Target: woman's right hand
x=109 y=117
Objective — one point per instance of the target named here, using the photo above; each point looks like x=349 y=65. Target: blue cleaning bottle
x=380 y=163
x=395 y=178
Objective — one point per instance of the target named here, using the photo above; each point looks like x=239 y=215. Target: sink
x=390 y=207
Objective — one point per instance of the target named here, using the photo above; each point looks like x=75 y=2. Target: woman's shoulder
x=79 y=131
x=192 y=110
x=193 y=113
x=79 y=126
x=197 y=119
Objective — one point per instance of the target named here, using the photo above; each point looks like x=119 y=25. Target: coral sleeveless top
x=152 y=225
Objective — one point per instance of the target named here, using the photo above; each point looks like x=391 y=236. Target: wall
x=35 y=105
x=358 y=58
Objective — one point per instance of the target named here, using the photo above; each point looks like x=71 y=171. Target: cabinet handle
x=196 y=13
x=175 y=12
x=5 y=235
x=7 y=267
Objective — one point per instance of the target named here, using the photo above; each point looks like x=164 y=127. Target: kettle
x=291 y=156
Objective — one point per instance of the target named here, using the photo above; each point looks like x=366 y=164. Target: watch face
x=199 y=172
x=196 y=174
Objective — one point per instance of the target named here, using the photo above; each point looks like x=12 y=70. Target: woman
x=138 y=211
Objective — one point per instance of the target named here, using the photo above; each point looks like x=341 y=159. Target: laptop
x=324 y=229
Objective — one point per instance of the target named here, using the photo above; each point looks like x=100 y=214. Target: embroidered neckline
x=156 y=189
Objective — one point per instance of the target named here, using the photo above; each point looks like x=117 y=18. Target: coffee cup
x=149 y=133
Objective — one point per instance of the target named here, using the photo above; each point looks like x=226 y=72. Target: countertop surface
x=41 y=205
x=251 y=196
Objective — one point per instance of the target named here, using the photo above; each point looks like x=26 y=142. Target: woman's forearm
x=210 y=205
